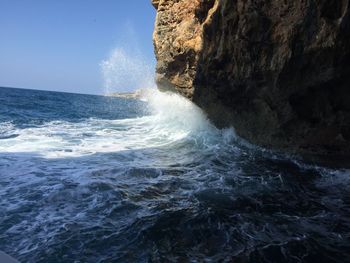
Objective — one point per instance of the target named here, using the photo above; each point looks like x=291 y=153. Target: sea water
x=101 y=179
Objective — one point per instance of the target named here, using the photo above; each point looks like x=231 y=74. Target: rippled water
x=99 y=179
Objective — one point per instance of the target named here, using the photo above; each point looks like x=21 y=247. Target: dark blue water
x=98 y=179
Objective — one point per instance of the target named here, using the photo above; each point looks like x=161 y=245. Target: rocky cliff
x=277 y=70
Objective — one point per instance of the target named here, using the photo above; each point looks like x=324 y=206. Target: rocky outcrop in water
x=278 y=70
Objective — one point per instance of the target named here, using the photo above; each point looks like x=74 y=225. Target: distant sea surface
x=100 y=179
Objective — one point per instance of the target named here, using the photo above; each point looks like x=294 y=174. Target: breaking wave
x=170 y=118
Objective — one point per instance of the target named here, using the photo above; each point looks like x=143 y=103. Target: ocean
x=88 y=178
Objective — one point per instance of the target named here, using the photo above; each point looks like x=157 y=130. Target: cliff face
x=277 y=70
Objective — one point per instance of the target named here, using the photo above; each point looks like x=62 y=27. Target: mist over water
x=126 y=72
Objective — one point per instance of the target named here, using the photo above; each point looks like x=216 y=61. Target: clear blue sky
x=60 y=44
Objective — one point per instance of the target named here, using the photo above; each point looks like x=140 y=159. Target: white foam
x=173 y=119
x=175 y=110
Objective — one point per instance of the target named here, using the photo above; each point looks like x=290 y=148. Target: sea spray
x=176 y=110
x=173 y=117
x=125 y=71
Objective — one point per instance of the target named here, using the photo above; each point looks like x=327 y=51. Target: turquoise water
x=98 y=179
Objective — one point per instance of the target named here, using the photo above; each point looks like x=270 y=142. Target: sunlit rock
x=278 y=71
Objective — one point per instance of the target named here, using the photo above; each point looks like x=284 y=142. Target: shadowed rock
x=278 y=71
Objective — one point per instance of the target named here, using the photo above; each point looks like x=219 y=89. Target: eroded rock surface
x=277 y=70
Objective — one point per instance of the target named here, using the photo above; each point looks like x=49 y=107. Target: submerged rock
x=278 y=71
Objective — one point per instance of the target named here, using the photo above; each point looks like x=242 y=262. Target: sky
x=64 y=45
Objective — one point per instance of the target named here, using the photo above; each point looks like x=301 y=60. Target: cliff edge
x=277 y=70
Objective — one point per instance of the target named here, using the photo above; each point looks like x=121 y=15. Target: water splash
x=125 y=70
